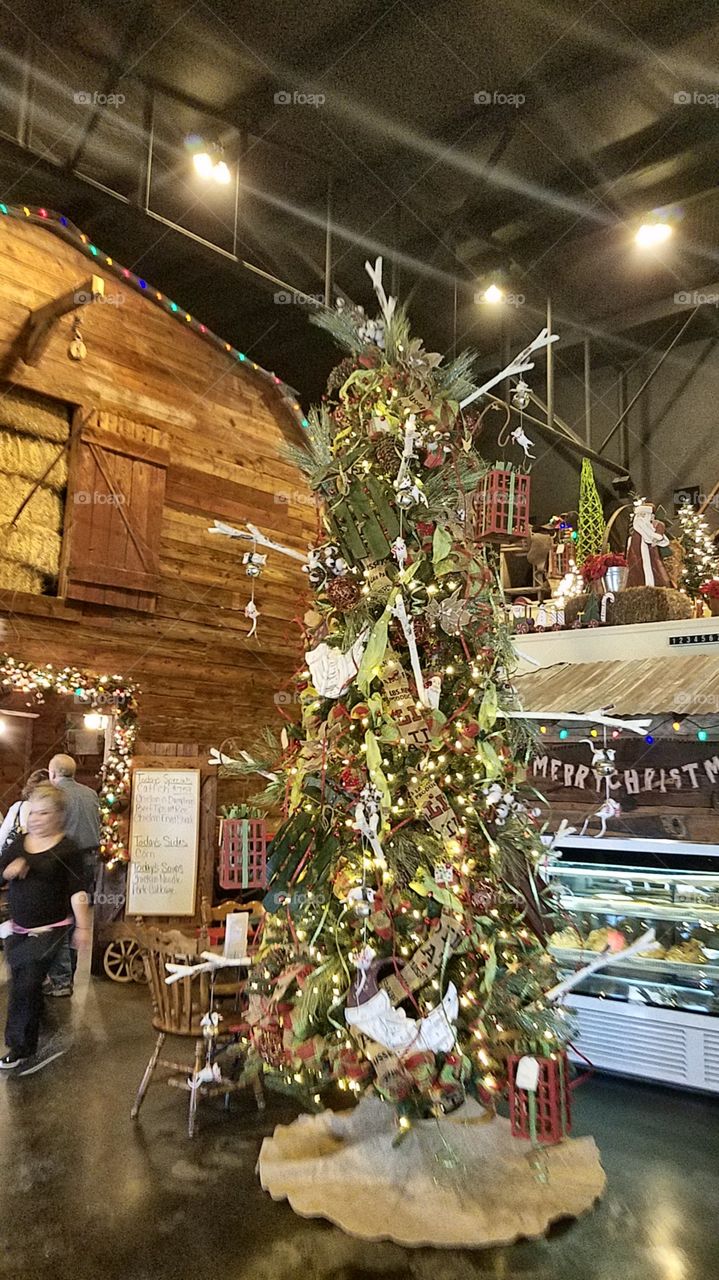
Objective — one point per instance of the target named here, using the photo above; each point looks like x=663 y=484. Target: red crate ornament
x=501 y=505
x=243 y=853
x=546 y=1119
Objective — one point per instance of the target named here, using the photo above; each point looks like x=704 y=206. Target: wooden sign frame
x=132 y=909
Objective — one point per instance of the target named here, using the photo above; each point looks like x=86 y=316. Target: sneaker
x=41 y=1059
x=58 y=991
x=11 y=1060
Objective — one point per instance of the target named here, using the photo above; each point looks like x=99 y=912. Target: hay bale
x=31 y=547
x=32 y=431
x=649 y=604
x=34 y=415
x=28 y=459
x=44 y=510
x=574 y=607
x=17 y=577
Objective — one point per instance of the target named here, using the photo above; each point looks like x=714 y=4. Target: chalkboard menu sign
x=164 y=837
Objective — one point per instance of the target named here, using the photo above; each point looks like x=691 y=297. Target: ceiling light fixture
x=493 y=294
x=209 y=164
x=651 y=234
x=202 y=161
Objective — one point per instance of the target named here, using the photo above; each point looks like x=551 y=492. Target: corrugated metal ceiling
x=686 y=685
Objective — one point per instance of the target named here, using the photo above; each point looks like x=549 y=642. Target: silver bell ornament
x=361 y=900
x=254 y=563
x=603 y=759
x=405 y=495
x=520 y=395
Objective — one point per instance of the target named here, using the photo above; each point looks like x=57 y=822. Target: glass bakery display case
x=654 y=1013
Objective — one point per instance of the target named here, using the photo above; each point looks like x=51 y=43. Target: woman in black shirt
x=47 y=901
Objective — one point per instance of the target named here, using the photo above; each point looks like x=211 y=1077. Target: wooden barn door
x=115 y=497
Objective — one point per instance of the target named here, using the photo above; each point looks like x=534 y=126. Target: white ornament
x=387 y=305
x=522 y=439
x=399 y=611
x=367 y=823
x=252 y=612
x=363 y=961
x=433 y=692
x=408 y=451
x=521 y=364
x=647 y=942
x=399 y=551
x=331 y=670
x=409 y=494
x=380 y=1021
x=609 y=809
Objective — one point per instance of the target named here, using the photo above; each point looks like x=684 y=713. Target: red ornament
x=350 y=780
x=552 y=1110
x=434 y=458
x=501 y=506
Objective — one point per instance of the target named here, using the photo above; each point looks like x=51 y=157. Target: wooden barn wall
x=201 y=678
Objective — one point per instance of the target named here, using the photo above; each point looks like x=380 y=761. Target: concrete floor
x=87 y=1194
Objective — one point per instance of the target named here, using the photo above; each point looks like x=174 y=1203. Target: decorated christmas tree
x=404 y=946
x=699 y=554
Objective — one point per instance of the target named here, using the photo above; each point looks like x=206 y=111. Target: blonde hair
x=48 y=791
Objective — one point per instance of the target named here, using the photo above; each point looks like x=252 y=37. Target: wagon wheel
x=119 y=959
x=137 y=967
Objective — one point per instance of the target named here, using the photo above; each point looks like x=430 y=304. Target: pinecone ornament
x=340 y=374
x=343 y=593
x=387 y=456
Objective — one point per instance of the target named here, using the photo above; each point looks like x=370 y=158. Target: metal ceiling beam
x=137 y=23
x=650 y=377
x=581 y=450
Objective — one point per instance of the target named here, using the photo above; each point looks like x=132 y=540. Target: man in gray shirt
x=82 y=826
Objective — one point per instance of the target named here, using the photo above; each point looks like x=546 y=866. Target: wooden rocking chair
x=178 y=1010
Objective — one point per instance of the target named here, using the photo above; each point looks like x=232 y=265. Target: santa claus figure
x=644 y=549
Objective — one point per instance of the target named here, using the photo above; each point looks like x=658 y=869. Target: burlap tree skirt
x=462 y=1181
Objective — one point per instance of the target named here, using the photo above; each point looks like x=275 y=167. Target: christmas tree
x=404 y=949
x=590 y=517
x=699 y=555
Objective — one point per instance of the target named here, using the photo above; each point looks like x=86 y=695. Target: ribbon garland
x=400 y=612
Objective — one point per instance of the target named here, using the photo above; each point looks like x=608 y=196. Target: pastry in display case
x=655 y=1013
